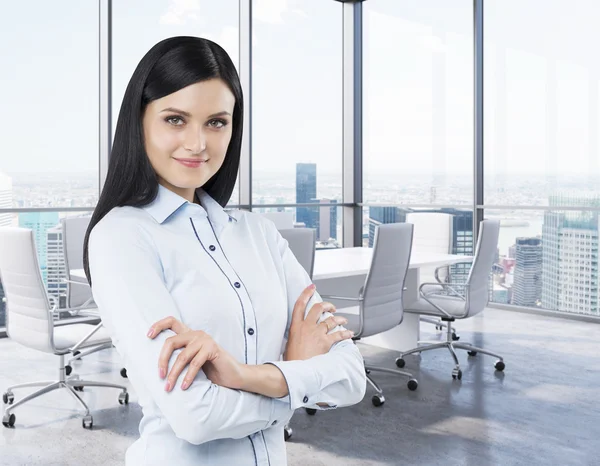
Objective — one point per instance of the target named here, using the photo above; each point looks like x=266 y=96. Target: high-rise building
x=527 y=286
x=382 y=215
x=56 y=267
x=327 y=225
x=306 y=193
x=40 y=223
x=6 y=200
x=570 y=257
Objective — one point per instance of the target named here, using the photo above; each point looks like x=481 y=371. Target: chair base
x=72 y=384
x=452 y=346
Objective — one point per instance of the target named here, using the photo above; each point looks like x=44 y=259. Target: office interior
x=475 y=123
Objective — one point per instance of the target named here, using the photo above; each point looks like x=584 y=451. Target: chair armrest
x=84 y=339
x=66 y=280
x=451 y=287
x=341 y=298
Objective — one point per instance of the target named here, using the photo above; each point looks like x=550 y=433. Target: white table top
x=344 y=262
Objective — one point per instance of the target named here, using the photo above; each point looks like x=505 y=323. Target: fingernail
x=150 y=332
x=185 y=385
x=168 y=387
x=344 y=321
x=312 y=287
x=162 y=373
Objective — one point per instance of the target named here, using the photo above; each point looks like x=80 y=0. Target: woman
x=200 y=303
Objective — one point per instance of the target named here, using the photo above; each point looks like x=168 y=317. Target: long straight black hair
x=169 y=66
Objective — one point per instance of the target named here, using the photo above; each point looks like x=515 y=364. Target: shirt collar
x=167 y=203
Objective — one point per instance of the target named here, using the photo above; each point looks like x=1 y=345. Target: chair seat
x=453 y=306
x=69 y=335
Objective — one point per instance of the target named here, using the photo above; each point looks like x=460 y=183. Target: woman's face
x=186 y=135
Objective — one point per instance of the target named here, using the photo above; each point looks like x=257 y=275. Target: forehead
x=210 y=96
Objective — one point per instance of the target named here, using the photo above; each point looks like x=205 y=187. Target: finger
x=180 y=364
x=332 y=322
x=195 y=365
x=314 y=315
x=167 y=323
x=171 y=344
x=301 y=303
x=341 y=335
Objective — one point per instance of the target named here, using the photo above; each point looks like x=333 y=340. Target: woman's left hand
x=200 y=352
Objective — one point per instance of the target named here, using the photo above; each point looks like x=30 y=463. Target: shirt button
x=250 y=331
x=237 y=284
x=305 y=400
x=212 y=247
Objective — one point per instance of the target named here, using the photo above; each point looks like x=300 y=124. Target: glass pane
x=50 y=251
x=326 y=220
x=418 y=102
x=548 y=259
x=49 y=126
x=140 y=24
x=297 y=95
x=542 y=98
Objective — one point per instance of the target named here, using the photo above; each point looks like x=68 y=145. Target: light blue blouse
x=233 y=276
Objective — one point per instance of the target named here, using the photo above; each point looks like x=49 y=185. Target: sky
x=542 y=80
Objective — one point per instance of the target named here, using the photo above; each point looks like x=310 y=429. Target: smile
x=192 y=163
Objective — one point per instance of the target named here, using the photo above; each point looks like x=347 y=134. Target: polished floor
x=543 y=410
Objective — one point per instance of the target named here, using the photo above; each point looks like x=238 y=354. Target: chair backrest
x=479 y=275
x=432 y=233
x=73 y=234
x=302 y=243
x=282 y=220
x=29 y=320
x=382 y=307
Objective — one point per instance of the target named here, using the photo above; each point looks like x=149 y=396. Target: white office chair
x=301 y=242
x=433 y=232
x=30 y=322
x=460 y=301
x=79 y=293
x=380 y=307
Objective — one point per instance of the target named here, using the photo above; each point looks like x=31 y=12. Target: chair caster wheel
x=455 y=337
x=287 y=433
x=87 y=422
x=499 y=365
x=68 y=370
x=400 y=362
x=124 y=398
x=457 y=374
x=78 y=388
x=8 y=420
x=124 y=373
x=378 y=400
x=412 y=385
x=311 y=411
x=8 y=398
x=472 y=353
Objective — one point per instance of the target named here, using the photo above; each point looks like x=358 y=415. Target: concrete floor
x=541 y=411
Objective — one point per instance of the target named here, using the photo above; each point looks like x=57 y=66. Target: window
x=297 y=104
x=49 y=122
x=418 y=102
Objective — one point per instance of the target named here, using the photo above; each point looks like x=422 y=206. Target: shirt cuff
x=302 y=382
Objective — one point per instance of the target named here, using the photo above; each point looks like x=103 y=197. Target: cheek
x=220 y=145
x=162 y=143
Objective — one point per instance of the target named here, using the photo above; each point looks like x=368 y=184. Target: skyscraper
x=382 y=215
x=56 y=267
x=327 y=226
x=6 y=200
x=527 y=286
x=40 y=223
x=306 y=193
x=570 y=257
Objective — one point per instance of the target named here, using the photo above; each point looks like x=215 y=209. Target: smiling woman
x=186 y=135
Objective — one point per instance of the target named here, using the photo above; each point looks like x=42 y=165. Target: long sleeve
x=336 y=378
x=129 y=288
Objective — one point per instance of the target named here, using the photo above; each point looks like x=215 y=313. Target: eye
x=217 y=123
x=175 y=120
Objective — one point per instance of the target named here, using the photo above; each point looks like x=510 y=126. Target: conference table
x=342 y=271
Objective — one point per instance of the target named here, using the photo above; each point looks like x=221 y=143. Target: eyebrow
x=187 y=114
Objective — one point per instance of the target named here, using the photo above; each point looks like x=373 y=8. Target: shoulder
x=122 y=226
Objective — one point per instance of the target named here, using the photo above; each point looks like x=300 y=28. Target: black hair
x=168 y=67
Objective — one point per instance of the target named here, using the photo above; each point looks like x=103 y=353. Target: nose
x=195 y=142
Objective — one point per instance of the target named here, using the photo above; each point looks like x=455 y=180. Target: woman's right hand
x=308 y=337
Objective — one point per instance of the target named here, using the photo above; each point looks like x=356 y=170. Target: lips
x=192 y=163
